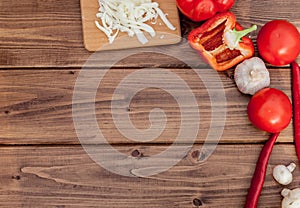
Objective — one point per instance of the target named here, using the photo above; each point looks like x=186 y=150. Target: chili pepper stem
x=233 y=37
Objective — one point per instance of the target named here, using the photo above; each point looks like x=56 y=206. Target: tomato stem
x=259 y=176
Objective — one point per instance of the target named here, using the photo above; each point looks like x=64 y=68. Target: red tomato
x=270 y=110
x=224 y=5
x=199 y=10
x=278 y=42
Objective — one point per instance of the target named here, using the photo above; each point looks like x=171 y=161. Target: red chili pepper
x=198 y=10
x=296 y=105
x=221 y=42
x=260 y=173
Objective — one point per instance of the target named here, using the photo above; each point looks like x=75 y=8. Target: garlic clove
x=251 y=76
x=285 y=192
x=283 y=174
x=291 y=198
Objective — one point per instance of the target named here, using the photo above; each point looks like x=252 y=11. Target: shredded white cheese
x=129 y=16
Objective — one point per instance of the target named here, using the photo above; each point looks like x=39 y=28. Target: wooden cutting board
x=95 y=40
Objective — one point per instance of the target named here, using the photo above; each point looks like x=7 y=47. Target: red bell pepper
x=221 y=42
x=199 y=10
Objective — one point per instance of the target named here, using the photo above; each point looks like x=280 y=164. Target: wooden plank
x=95 y=40
x=49 y=33
x=36 y=105
x=64 y=176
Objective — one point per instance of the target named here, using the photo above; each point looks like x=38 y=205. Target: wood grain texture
x=42 y=162
x=49 y=33
x=49 y=177
x=36 y=106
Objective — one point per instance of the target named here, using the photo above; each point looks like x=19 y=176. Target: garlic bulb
x=251 y=76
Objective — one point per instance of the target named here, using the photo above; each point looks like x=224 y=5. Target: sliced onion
x=130 y=16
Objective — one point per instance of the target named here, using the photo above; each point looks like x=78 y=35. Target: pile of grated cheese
x=129 y=16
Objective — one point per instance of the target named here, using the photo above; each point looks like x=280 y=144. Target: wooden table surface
x=43 y=162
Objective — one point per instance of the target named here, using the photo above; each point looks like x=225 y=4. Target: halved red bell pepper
x=222 y=42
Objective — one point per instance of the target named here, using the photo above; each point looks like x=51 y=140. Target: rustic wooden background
x=42 y=161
